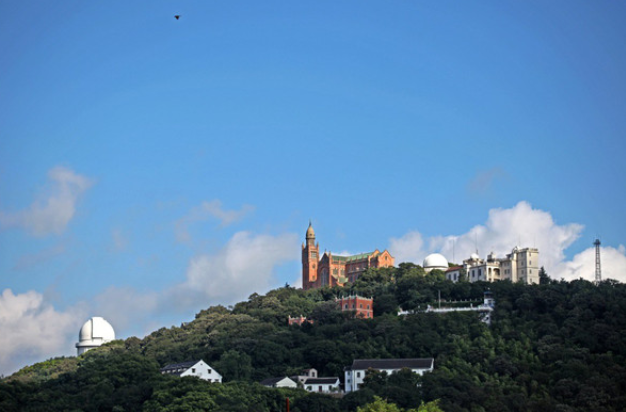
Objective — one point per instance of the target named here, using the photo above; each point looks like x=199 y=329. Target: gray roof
x=272 y=381
x=321 y=381
x=419 y=363
x=175 y=366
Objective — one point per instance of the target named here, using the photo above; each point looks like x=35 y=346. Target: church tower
x=310 y=259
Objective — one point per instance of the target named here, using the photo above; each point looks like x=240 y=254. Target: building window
x=193 y=370
x=358 y=374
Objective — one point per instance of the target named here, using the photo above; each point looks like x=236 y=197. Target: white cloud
x=583 y=265
x=32 y=329
x=52 y=212
x=205 y=211
x=408 y=248
x=244 y=266
x=520 y=225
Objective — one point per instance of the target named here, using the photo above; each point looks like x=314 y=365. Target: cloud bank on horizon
x=34 y=330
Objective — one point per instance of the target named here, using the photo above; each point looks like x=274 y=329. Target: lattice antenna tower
x=598 y=267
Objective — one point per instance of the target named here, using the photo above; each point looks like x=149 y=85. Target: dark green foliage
x=557 y=346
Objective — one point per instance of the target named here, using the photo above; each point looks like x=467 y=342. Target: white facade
x=199 y=369
x=355 y=374
x=519 y=265
x=322 y=385
x=203 y=371
x=94 y=333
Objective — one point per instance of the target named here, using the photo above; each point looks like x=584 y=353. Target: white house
x=281 y=382
x=355 y=374
x=323 y=385
x=199 y=369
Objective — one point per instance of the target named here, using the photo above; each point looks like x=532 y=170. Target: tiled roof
x=361 y=256
x=453 y=268
x=353 y=258
x=421 y=363
x=321 y=381
x=182 y=365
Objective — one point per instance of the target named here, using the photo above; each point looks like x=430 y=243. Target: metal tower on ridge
x=598 y=268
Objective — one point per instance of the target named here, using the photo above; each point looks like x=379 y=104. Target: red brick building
x=364 y=307
x=298 y=320
x=335 y=270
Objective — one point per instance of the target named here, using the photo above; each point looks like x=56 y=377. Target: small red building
x=363 y=307
x=298 y=320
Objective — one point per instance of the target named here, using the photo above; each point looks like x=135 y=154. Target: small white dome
x=435 y=261
x=474 y=256
x=95 y=332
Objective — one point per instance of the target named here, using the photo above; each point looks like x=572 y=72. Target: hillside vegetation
x=558 y=346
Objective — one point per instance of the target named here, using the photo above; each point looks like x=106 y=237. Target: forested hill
x=557 y=346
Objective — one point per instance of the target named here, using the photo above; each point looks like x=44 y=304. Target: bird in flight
x=177 y=16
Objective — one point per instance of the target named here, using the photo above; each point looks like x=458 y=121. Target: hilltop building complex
x=519 y=265
x=335 y=270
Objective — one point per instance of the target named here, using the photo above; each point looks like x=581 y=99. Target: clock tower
x=310 y=259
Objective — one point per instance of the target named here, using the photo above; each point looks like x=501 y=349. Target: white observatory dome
x=95 y=332
x=474 y=256
x=435 y=261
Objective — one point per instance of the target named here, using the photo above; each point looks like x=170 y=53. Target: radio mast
x=598 y=268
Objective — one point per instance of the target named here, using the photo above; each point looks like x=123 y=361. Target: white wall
x=203 y=371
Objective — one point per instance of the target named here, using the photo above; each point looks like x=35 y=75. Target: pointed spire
x=310 y=233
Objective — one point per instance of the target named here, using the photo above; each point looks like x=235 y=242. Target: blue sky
x=151 y=167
